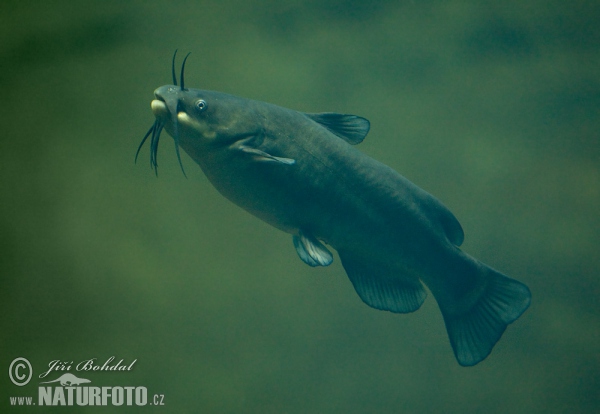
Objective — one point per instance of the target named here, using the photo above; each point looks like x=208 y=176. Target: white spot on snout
x=159 y=108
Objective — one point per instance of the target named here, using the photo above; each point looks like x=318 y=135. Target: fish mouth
x=163 y=110
x=159 y=108
x=166 y=103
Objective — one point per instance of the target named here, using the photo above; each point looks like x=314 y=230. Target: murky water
x=495 y=110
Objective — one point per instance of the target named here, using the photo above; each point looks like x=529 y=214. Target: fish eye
x=201 y=104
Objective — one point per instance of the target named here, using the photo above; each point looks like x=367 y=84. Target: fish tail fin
x=474 y=331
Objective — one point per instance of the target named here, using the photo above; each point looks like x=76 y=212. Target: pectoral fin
x=311 y=251
x=263 y=156
x=381 y=287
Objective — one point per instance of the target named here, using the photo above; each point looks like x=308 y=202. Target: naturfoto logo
x=73 y=394
x=69 y=389
x=67 y=380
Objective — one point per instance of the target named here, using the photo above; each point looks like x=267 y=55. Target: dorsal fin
x=452 y=228
x=351 y=128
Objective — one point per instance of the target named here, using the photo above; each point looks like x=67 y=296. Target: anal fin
x=382 y=287
x=311 y=251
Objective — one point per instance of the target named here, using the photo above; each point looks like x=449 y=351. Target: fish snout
x=159 y=109
x=165 y=106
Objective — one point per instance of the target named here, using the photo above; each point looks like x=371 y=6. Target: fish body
x=302 y=174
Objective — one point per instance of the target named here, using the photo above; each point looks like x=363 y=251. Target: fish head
x=200 y=118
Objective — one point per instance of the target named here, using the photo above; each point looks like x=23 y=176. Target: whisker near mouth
x=165 y=106
x=182 y=71
x=155 y=131
x=173 y=68
x=179 y=156
x=158 y=127
x=144 y=140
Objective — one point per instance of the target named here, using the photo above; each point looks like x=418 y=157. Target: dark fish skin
x=300 y=173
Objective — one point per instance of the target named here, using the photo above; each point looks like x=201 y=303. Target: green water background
x=493 y=108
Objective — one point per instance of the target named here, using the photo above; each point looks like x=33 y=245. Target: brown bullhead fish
x=302 y=174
